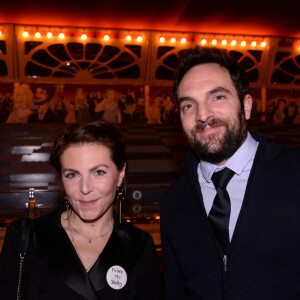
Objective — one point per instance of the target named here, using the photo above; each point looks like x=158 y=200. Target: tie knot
x=221 y=179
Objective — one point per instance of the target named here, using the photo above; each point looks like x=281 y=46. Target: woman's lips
x=87 y=203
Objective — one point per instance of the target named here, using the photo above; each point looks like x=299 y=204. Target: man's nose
x=204 y=112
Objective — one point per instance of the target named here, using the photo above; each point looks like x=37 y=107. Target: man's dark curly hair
x=203 y=55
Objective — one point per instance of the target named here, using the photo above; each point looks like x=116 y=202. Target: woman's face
x=90 y=179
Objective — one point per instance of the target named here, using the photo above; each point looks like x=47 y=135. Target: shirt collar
x=237 y=162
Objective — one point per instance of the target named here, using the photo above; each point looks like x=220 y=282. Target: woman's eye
x=100 y=172
x=70 y=175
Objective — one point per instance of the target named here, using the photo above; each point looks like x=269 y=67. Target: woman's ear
x=122 y=175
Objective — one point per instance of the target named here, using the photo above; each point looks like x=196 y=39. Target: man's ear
x=247 y=106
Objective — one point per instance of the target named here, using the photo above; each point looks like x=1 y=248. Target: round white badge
x=116 y=277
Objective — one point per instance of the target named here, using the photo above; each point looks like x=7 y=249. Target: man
x=255 y=255
x=44 y=114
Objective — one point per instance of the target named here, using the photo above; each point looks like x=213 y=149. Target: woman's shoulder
x=133 y=235
x=17 y=225
x=132 y=229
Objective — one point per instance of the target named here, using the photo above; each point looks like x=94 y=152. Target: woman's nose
x=86 y=185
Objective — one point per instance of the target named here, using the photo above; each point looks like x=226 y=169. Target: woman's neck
x=92 y=228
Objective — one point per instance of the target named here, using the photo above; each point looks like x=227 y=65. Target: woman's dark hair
x=193 y=57
x=100 y=132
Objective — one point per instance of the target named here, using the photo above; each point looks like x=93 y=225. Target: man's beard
x=214 y=148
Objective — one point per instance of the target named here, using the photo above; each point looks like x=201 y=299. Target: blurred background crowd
x=46 y=103
x=119 y=105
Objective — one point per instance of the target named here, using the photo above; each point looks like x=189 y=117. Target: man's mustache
x=200 y=126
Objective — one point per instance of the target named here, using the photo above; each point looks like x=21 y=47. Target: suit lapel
x=115 y=253
x=58 y=254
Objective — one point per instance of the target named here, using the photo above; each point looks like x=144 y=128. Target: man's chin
x=214 y=157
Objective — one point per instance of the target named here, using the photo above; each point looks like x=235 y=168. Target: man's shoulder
x=270 y=151
x=280 y=152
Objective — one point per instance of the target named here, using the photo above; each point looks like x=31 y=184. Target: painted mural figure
x=99 y=98
x=291 y=111
x=6 y=107
x=71 y=113
x=22 y=98
x=279 y=114
x=60 y=109
x=153 y=112
x=82 y=107
x=91 y=100
x=110 y=108
x=168 y=110
x=43 y=114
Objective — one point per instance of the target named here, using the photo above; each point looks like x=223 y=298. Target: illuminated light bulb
x=37 y=34
x=26 y=34
x=128 y=38
x=183 y=41
x=203 y=41
x=106 y=37
x=224 y=42
x=139 y=39
x=61 y=35
x=172 y=40
x=0 y=32
x=243 y=43
x=49 y=35
x=162 y=39
x=84 y=37
x=233 y=42
x=253 y=44
x=263 y=44
x=214 y=42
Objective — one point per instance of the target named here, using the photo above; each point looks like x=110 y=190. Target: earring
x=121 y=192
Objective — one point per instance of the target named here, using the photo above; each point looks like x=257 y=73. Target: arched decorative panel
x=252 y=57
x=285 y=64
x=7 y=66
x=92 y=56
x=132 y=57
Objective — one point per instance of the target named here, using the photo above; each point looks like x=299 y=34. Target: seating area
x=154 y=162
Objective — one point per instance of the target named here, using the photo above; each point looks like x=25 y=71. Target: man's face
x=40 y=96
x=211 y=114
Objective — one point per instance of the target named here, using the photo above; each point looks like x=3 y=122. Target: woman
x=82 y=250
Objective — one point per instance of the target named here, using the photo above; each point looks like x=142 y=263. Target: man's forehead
x=203 y=70
x=204 y=75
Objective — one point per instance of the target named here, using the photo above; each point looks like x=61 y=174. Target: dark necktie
x=220 y=212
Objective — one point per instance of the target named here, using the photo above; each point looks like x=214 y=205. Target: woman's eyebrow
x=98 y=166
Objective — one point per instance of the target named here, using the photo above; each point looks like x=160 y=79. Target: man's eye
x=186 y=107
x=220 y=97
